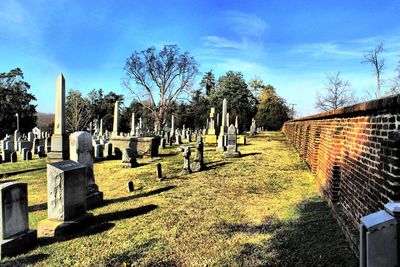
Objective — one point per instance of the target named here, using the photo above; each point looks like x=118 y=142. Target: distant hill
x=45 y=121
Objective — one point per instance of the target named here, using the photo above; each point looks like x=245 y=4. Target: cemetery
x=117 y=149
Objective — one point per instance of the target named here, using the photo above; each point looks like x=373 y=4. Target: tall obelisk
x=59 y=139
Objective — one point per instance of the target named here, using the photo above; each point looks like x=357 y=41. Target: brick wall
x=354 y=153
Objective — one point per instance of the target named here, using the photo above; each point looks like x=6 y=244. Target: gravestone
x=31 y=136
x=6 y=155
x=128 y=158
x=66 y=199
x=222 y=132
x=198 y=163
x=14 y=157
x=25 y=144
x=98 y=151
x=162 y=142
x=116 y=119
x=159 y=172
x=23 y=153
x=130 y=186
x=16 y=237
x=9 y=145
x=28 y=155
x=186 y=160
x=59 y=140
x=178 y=139
x=231 y=150
x=40 y=150
x=1 y=159
x=81 y=150
x=35 y=146
x=108 y=151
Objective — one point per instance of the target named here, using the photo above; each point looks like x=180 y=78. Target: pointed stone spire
x=59 y=116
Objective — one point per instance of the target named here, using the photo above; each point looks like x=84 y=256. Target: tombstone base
x=94 y=200
x=185 y=171
x=54 y=228
x=232 y=154
x=210 y=139
x=18 y=244
x=59 y=147
x=197 y=166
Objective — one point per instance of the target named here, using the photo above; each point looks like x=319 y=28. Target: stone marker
x=198 y=163
x=14 y=157
x=163 y=142
x=222 y=132
x=98 y=151
x=23 y=153
x=28 y=155
x=130 y=186
x=186 y=160
x=133 y=124
x=108 y=151
x=1 y=159
x=66 y=199
x=6 y=155
x=14 y=230
x=231 y=150
x=172 y=126
x=128 y=158
x=59 y=140
x=159 y=172
x=40 y=151
x=116 y=119
x=82 y=151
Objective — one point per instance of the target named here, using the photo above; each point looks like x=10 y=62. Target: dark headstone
x=14 y=157
x=130 y=186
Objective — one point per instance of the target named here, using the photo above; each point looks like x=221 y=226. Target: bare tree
x=78 y=112
x=162 y=77
x=337 y=94
x=373 y=58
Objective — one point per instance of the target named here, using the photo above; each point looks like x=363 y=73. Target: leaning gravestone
x=66 y=199
x=81 y=150
x=14 y=230
x=198 y=163
x=231 y=150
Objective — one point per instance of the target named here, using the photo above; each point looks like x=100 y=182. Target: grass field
x=261 y=209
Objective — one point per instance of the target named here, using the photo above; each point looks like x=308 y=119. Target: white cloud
x=245 y=24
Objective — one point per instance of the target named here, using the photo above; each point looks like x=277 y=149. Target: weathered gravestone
x=186 y=160
x=25 y=144
x=28 y=155
x=231 y=150
x=128 y=158
x=40 y=151
x=81 y=150
x=66 y=199
x=198 y=163
x=14 y=230
x=14 y=157
x=98 y=151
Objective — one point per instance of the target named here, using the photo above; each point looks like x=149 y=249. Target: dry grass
x=261 y=209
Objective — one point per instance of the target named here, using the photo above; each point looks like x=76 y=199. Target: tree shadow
x=251 y=154
x=145 y=194
x=313 y=239
x=25 y=260
x=137 y=256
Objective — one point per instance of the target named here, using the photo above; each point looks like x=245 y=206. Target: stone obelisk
x=133 y=124
x=59 y=139
x=116 y=119
x=223 y=130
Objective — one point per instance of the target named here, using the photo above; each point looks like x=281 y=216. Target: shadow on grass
x=25 y=260
x=37 y=207
x=251 y=154
x=313 y=239
x=146 y=194
x=136 y=256
x=214 y=166
x=101 y=223
x=167 y=155
x=124 y=214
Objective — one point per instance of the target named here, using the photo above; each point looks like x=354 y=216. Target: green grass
x=261 y=209
x=22 y=165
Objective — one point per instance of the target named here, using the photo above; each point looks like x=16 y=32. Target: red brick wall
x=354 y=154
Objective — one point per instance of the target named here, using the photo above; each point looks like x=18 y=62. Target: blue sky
x=289 y=44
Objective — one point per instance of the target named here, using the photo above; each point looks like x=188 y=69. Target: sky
x=291 y=45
